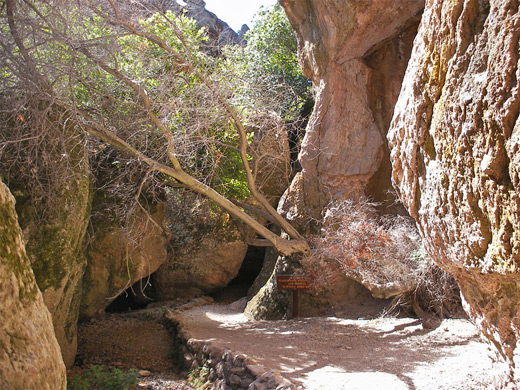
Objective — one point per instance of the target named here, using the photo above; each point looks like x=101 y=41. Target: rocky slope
x=29 y=353
x=455 y=141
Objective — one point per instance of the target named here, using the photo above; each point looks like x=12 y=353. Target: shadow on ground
x=339 y=353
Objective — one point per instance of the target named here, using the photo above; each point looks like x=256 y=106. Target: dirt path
x=339 y=353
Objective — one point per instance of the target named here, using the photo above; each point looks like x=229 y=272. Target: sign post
x=295 y=283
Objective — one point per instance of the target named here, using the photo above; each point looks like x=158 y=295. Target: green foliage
x=268 y=65
x=198 y=376
x=101 y=378
x=103 y=72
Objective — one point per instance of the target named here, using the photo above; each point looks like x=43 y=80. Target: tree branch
x=283 y=246
x=188 y=65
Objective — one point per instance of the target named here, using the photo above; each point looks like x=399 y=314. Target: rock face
x=119 y=257
x=30 y=356
x=218 y=31
x=455 y=146
x=356 y=53
x=207 y=250
x=339 y=44
x=54 y=231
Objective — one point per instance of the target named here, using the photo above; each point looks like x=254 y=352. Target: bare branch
x=188 y=65
x=285 y=247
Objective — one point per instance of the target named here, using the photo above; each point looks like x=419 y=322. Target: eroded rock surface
x=218 y=31
x=344 y=146
x=30 y=356
x=120 y=256
x=54 y=224
x=356 y=54
x=455 y=141
x=206 y=249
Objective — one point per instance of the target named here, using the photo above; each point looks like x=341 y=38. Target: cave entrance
x=136 y=297
x=250 y=269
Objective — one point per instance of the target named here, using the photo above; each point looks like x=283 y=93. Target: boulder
x=455 y=149
x=54 y=218
x=355 y=53
x=30 y=356
x=207 y=250
x=118 y=257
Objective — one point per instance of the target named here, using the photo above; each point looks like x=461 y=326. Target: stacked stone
x=221 y=368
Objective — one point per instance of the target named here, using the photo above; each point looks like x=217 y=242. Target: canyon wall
x=355 y=53
x=455 y=149
x=30 y=356
x=53 y=194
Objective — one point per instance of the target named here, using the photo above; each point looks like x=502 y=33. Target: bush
x=101 y=378
x=385 y=254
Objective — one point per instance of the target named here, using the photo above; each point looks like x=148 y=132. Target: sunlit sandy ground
x=337 y=353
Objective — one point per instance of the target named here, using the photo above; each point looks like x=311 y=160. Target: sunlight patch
x=334 y=378
x=227 y=318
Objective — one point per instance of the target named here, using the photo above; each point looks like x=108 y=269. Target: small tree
x=141 y=86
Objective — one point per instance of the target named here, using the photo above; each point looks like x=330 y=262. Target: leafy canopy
x=268 y=65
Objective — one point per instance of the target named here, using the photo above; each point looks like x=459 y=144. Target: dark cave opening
x=250 y=269
x=135 y=297
x=143 y=292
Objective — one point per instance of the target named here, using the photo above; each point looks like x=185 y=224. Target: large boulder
x=54 y=211
x=355 y=53
x=207 y=250
x=455 y=147
x=118 y=257
x=30 y=356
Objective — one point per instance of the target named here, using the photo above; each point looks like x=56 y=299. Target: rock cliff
x=455 y=147
x=339 y=44
x=218 y=31
x=54 y=210
x=30 y=356
x=355 y=53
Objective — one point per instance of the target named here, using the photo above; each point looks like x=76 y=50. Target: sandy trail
x=339 y=353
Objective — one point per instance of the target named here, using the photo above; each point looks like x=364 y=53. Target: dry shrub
x=385 y=254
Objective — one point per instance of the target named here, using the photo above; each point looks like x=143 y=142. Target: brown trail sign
x=294 y=283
